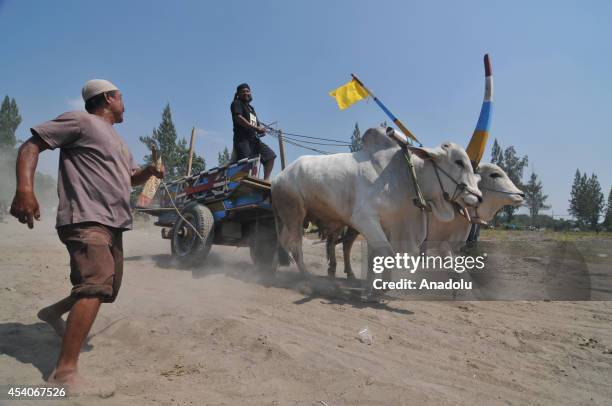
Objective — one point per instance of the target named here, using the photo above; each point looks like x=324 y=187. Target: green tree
x=607 y=224
x=223 y=157
x=9 y=121
x=535 y=199
x=586 y=200
x=356 y=140
x=174 y=152
x=496 y=153
x=595 y=202
x=198 y=164
x=513 y=165
x=577 y=202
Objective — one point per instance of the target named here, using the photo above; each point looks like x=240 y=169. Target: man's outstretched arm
x=25 y=206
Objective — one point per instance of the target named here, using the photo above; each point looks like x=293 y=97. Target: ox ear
x=425 y=153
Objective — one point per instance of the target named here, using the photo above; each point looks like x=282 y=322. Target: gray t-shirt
x=95 y=169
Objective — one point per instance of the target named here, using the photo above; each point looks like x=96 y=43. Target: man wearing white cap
x=96 y=172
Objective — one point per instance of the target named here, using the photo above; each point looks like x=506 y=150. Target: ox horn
x=476 y=147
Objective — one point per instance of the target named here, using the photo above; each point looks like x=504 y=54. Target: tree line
x=586 y=204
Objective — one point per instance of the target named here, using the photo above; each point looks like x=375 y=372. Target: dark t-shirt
x=247 y=111
x=95 y=170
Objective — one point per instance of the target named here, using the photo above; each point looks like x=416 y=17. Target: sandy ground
x=220 y=336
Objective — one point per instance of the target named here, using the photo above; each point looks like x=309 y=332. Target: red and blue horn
x=476 y=147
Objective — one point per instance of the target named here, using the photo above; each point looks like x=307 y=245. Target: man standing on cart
x=247 y=130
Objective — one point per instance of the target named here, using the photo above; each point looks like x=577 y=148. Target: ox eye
x=460 y=163
x=495 y=175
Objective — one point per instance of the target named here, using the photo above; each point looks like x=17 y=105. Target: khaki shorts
x=96 y=259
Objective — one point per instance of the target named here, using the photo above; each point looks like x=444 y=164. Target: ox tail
x=283 y=256
x=476 y=147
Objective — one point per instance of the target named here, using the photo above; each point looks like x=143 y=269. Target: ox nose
x=521 y=195
x=476 y=193
x=472 y=199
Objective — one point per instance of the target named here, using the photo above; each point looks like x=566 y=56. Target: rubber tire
x=263 y=246
x=202 y=219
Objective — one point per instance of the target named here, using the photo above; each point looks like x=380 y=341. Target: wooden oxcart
x=226 y=205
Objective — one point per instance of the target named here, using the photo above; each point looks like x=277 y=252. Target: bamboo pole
x=191 y=145
x=281 y=148
x=384 y=108
x=420 y=200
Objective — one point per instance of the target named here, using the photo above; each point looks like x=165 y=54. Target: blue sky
x=552 y=65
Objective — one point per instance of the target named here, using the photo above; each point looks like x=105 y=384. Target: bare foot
x=78 y=386
x=53 y=319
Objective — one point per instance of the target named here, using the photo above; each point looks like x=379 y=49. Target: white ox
x=448 y=237
x=370 y=191
x=497 y=191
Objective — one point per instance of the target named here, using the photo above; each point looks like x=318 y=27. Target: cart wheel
x=189 y=247
x=263 y=246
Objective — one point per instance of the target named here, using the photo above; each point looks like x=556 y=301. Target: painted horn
x=476 y=147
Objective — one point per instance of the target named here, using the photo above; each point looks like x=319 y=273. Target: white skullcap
x=96 y=86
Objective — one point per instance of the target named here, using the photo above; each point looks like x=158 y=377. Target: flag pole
x=419 y=201
x=384 y=108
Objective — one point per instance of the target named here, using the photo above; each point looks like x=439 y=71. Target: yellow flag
x=348 y=94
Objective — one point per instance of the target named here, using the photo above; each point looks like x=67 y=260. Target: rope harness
x=418 y=201
x=460 y=187
x=180 y=214
x=495 y=190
